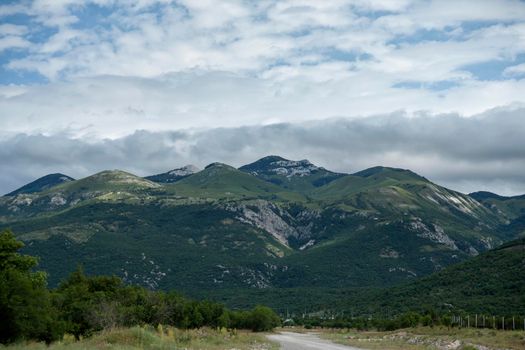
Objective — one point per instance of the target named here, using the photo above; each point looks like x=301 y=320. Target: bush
x=262 y=319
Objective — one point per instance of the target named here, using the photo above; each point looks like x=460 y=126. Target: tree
x=25 y=303
x=89 y=304
x=262 y=319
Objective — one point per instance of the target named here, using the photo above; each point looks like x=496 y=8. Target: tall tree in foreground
x=25 y=306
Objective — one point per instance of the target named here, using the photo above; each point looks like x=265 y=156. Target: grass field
x=429 y=338
x=160 y=338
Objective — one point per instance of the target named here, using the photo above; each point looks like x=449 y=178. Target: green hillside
x=223 y=229
x=219 y=180
x=114 y=185
x=183 y=247
x=510 y=211
x=492 y=283
x=508 y=207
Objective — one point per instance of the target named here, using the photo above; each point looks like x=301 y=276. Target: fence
x=489 y=321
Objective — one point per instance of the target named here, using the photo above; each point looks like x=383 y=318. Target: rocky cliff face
x=275 y=220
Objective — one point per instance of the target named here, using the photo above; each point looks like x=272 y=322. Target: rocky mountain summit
x=275 y=165
x=291 y=174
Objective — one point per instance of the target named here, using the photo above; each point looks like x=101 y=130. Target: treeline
x=428 y=318
x=82 y=305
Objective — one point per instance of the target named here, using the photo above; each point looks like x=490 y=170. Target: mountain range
x=272 y=224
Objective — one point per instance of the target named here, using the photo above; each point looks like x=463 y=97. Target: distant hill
x=510 y=210
x=386 y=172
x=42 y=184
x=491 y=283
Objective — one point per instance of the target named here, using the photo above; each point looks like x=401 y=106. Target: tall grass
x=159 y=338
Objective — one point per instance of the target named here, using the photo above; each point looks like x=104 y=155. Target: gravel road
x=300 y=341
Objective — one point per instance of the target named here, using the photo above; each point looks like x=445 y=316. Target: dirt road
x=300 y=341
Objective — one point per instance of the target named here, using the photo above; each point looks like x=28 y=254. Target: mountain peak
x=174 y=175
x=42 y=184
x=276 y=165
x=482 y=195
x=185 y=170
x=381 y=170
x=219 y=165
x=271 y=158
x=119 y=177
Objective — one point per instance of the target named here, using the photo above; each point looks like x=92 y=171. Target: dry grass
x=424 y=338
x=160 y=338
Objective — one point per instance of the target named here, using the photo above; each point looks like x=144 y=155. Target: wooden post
x=494 y=322
x=503 y=323
x=513 y=325
x=476 y=320
x=468 y=321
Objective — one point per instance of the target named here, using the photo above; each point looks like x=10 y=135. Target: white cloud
x=11 y=37
x=112 y=106
x=248 y=37
x=484 y=152
x=516 y=70
x=439 y=14
x=11 y=42
x=12 y=9
x=165 y=65
x=12 y=29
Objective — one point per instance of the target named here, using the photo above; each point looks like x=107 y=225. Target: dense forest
x=82 y=305
x=487 y=288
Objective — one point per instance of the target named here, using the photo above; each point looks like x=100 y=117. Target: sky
x=146 y=86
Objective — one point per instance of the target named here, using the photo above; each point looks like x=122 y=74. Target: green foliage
x=90 y=304
x=263 y=318
x=25 y=306
x=491 y=283
x=260 y=319
x=82 y=305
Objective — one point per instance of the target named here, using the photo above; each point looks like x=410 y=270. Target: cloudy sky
x=150 y=85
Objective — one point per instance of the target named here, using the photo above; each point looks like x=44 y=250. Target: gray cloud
x=483 y=152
